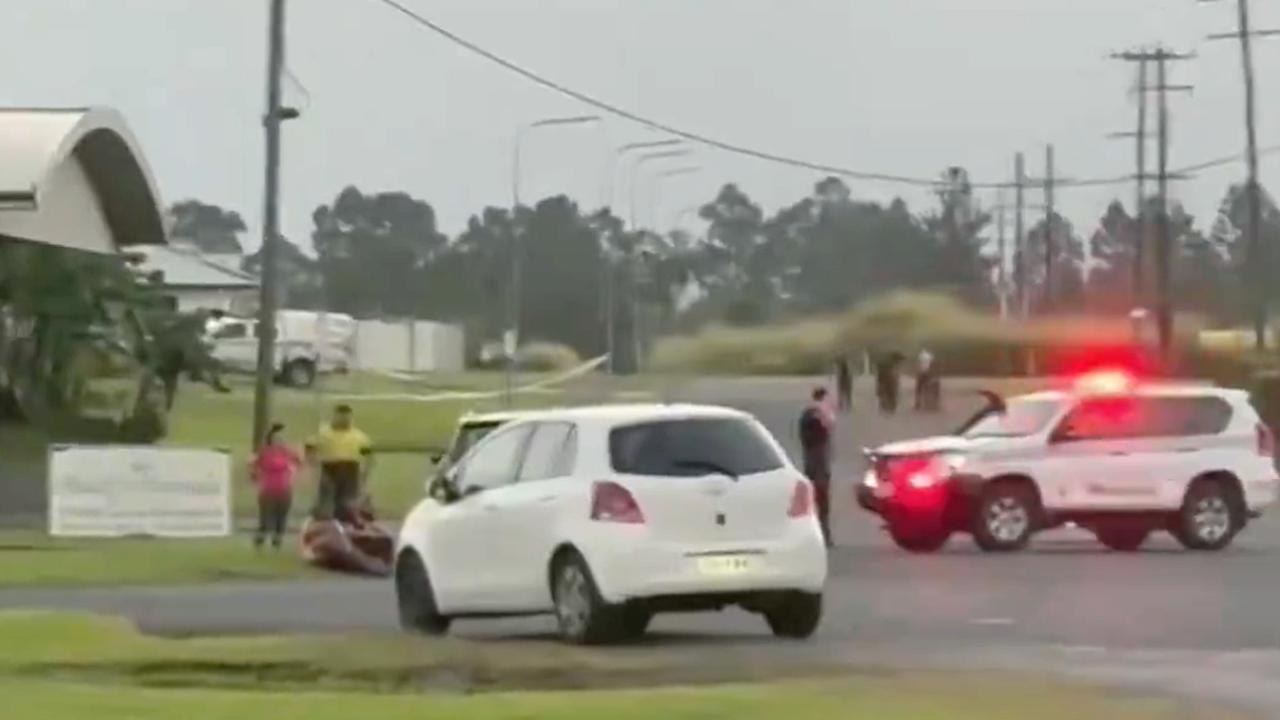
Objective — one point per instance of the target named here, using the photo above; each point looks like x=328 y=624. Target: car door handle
x=548 y=499
x=1119 y=453
x=488 y=507
x=1186 y=450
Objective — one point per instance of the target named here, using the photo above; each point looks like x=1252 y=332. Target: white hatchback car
x=1121 y=460
x=607 y=515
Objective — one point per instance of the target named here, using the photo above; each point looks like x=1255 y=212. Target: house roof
x=183 y=268
x=76 y=177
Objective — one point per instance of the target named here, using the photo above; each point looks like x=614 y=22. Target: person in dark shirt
x=816 y=424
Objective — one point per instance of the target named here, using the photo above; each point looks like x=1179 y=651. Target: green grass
x=59 y=667
x=29 y=559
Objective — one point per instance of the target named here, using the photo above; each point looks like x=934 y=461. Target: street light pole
x=511 y=338
x=607 y=270
x=656 y=198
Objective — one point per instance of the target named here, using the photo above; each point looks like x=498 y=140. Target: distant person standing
x=345 y=455
x=817 y=424
x=844 y=384
x=887 y=381
x=273 y=470
x=926 y=388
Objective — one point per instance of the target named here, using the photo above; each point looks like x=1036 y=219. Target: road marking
x=993 y=622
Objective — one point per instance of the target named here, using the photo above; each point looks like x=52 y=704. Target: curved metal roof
x=81 y=162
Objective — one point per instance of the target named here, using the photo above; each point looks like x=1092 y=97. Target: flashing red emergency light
x=1106 y=381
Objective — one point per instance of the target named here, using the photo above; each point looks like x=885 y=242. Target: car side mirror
x=1064 y=434
x=437 y=457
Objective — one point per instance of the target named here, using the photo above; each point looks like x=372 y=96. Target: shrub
x=547 y=357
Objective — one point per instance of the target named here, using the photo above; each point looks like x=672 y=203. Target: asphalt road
x=1207 y=625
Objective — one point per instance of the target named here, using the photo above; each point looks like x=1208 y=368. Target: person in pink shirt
x=272 y=470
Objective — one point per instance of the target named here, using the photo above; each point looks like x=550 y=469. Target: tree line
x=383 y=255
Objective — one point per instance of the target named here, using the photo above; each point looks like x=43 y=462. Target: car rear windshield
x=468 y=436
x=1020 y=419
x=692 y=448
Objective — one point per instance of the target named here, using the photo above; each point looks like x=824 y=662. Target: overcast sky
x=900 y=86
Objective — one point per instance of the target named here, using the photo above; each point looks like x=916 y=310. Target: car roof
x=1189 y=389
x=621 y=414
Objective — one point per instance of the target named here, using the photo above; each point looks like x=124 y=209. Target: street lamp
x=620 y=154
x=511 y=338
x=656 y=198
x=635 y=174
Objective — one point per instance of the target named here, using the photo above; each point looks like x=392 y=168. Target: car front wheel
x=416 y=599
x=796 y=615
x=1004 y=519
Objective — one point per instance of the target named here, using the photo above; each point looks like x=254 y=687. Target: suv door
x=1178 y=435
x=1092 y=461
x=463 y=548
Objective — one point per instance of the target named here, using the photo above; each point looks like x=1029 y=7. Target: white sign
x=115 y=491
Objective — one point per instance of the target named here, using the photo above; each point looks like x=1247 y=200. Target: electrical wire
x=743 y=150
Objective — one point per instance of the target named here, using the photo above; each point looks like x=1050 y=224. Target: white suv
x=607 y=515
x=1120 y=461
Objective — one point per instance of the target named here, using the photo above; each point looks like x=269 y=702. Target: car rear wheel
x=1210 y=516
x=416 y=598
x=1005 y=517
x=584 y=618
x=1123 y=538
x=917 y=540
x=795 y=616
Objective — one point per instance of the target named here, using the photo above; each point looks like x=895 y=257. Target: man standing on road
x=345 y=455
x=844 y=384
x=925 y=399
x=816 y=425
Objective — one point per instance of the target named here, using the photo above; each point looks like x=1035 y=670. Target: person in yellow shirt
x=345 y=456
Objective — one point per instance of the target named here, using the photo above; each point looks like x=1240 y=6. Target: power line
x=709 y=141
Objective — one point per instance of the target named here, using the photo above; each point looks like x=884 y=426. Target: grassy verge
x=59 y=666
x=34 y=560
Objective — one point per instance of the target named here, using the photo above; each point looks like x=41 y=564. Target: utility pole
x=1002 y=248
x=1161 y=56
x=1257 y=254
x=1140 y=175
x=268 y=297
x=1050 y=250
x=1019 y=235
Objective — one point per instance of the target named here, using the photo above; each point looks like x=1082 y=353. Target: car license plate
x=725 y=565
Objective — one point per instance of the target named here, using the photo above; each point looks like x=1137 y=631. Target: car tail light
x=610 y=502
x=1266 y=441
x=801 y=500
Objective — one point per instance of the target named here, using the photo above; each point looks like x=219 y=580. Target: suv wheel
x=583 y=616
x=300 y=374
x=795 y=616
x=1122 y=538
x=416 y=598
x=1210 y=516
x=1005 y=517
x=916 y=540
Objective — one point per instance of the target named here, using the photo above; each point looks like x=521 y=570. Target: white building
x=200 y=282
x=75 y=178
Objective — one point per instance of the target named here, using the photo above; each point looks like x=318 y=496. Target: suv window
x=551 y=453
x=1146 y=417
x=692 y=448
x=1187 y=416
x=493 y=464
x=1020 y=419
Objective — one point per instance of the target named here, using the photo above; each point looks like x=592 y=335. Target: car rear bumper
x=631 y=566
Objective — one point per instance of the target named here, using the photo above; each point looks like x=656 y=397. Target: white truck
x=307 y=343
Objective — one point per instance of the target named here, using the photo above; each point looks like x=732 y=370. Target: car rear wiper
x=707 y=465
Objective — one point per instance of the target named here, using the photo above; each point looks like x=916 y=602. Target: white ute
x=1119 y=458
x=604 y=516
